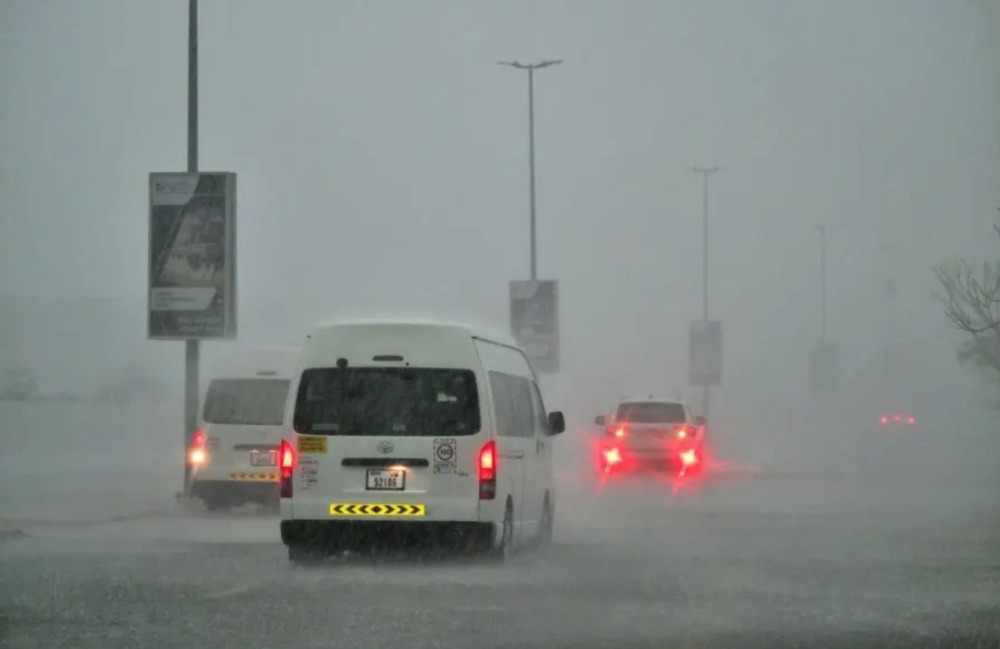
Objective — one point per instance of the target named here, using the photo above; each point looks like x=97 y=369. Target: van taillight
x=196 y=455
x=488 y=471
x=286 y=465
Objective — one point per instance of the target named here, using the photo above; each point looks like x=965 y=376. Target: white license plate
x=386 y=480
x=263 y=458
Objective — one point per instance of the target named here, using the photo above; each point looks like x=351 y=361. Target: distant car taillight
x=612 y=456
x=911 y=420
x=196 y=455
x=616 y=431
x=689 y=458
x=682 y=432
x=488 y=471
x=286 y=464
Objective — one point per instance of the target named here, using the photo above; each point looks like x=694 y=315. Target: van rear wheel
x=506 y=548
x=303 y=554
x=546 y=525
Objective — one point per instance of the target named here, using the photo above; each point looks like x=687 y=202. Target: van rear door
x=371 y=436
x=243 y=425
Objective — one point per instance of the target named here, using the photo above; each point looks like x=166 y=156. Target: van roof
x=255 y=363
x=472 y=331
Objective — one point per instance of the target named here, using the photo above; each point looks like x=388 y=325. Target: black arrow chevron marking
x=376 y=509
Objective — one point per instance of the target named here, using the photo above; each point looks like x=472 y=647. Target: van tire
x=216 y=504
x=546 y=525
x=505 y=550
x=301 y=554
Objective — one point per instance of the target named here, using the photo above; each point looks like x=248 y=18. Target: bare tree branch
x=972 y=302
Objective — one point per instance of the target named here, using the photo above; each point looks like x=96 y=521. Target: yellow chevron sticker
x=253 y=477
x=376 y=509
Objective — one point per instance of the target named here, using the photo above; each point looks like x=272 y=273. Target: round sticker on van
x=445 y=452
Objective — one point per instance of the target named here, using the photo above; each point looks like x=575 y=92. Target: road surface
x=892 y=551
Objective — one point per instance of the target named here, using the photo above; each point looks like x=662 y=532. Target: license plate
x=386 y=480
x=263 y=458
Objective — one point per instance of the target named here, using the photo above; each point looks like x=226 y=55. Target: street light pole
x=531 y=67
x=191 y=346
x=822 y=282
x=705 y=173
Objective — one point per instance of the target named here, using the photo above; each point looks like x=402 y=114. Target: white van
x=415 y=430
x=235 y=451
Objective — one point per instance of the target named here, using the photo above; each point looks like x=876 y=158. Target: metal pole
x=533 y=223
x=705 y=172
x=191 y=347
x=822 y=280
x=705 y=391
x=531 y=164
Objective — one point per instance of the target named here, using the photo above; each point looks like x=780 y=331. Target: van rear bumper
x=358 y=535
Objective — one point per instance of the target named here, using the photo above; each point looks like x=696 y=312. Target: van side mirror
x=600 y=421
x=557 y=423
x=699 y=421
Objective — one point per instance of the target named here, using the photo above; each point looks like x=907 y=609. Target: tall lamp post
x=531 y=67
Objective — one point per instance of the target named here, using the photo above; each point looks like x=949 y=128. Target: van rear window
x=246 y=402
x=389 y=401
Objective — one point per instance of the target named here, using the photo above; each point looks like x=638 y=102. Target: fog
x=382 y=157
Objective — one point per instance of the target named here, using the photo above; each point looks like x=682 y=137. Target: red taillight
x=911 y=420
x=682 y=432
x=612 y=456
x=689 y=458
x=884 y=421
x=616 y=431
x=197 y=455
x=488 y=471
x=286 y=464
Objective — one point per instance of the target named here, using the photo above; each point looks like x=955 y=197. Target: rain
x=777 y=220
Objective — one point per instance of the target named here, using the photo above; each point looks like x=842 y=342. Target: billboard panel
x=705 y=369
x=825 y=366
x=534 y=322
x=192 y=256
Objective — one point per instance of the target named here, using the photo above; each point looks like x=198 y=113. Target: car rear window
x=247 y=402
x=651 y=412
x=396 y=401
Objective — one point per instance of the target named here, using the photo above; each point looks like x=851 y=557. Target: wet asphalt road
x=743 y=558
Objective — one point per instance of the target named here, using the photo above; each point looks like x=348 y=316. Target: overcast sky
x=382 y=160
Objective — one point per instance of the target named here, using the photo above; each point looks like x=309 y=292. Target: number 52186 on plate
x=386 y=480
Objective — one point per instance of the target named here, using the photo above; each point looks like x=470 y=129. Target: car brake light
x=197 y=454
x=616 y=431
x=689 y=458
x=884 y=421
x=286 y=467
x=612 y=456
x=682 y=432
x=488 y=471
x=911 y=420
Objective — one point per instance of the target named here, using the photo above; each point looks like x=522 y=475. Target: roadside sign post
x=825 y=366
x=192 y=270
x=534 y=322
x=705 y=368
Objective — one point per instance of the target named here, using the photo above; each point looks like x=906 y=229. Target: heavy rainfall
x=727 y=372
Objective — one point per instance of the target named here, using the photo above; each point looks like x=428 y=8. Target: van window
x=387 y=401
x=512 y=400
x=246 y=402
